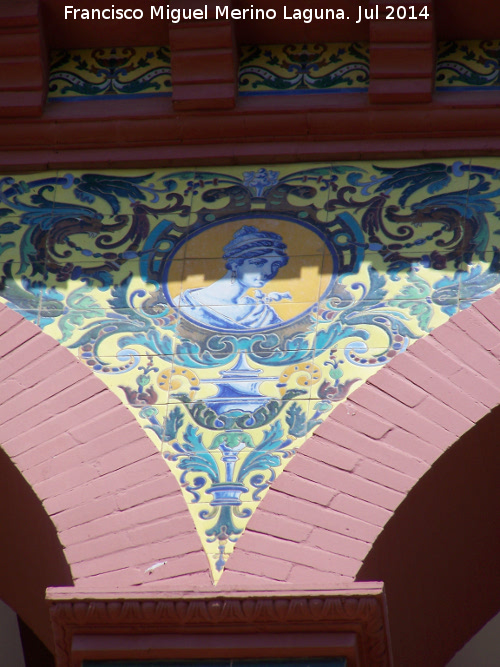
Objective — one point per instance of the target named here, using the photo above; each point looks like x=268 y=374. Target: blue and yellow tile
x=125 y=72
x=231 y=310
x=299 y=68
x=473 y=64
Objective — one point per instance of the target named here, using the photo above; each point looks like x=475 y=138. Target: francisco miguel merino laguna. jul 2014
x=222 y=12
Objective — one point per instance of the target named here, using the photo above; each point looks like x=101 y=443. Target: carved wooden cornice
x=354 y=626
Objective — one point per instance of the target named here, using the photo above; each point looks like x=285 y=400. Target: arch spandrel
x=231 y=310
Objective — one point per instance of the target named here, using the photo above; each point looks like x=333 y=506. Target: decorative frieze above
x=468 y=65
x=304 y=68
x=23 y=58
x=99 y=73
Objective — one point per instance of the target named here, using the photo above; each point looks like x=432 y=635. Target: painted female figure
x=253 y=258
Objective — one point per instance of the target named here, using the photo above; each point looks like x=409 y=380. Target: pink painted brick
x=349 y=483
x=496 y=351
x=366 y=447
x=49 y=387
x=339 y=544
x=102 y=546
x=307 y=578
x=121 y=457
x=57 y=465
x=18 y=440
x=302 y=488
x=89 y=386
x=442 y=388
x=176 y=546
x=16 y=336
x=8 y=389
x=103 y=485
x=45 y=365
x=89 y=511
x=361 y=509
x=168 y=529
x=102 y=424
x=39 y=348
x=21 y=425
x=108 y=448
x=278 y=526
x=119 y=560
x=239 y=581
x=115 y=521
x=407 y=442
x=322 y=517
x=61 y=423
x=474 y=385
x=441 y=413
x=326 y=561
x=490 y=308
x=398 y=387
x=270 y=567
x=59 y=484
x=462 y=345
x=15 y=361
x=159 y=509
x=434 y=355
x=193 y=563
x=477 y=327
x=387 y=407
x=8 y=320
x=162 y=485
x=119 y=579
x=385 y=476
x=354 y=417
x=325 y=450
x=44 y=452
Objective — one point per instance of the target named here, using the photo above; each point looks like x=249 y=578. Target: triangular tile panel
x=232 y=309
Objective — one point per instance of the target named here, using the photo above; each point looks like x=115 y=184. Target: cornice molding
x=82 y=627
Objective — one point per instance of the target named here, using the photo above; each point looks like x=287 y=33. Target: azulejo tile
x=91 y=73
x=342 y=67
x=275 y=193
x=468 y=64
x=231 y=310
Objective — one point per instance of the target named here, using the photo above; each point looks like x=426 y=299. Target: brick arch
x=322 y=516
x=86 y=469
x=118 y=510
x=438 y=555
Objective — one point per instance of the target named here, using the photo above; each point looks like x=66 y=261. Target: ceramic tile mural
x=276 y=68
x=299 y=68
x=468 y=64
x=231 y=309
x=90 y=73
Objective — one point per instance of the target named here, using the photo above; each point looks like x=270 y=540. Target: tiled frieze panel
x=473 y=64
x=90 y=73
x=299 y=68
x=232 y=309
x=263 y=69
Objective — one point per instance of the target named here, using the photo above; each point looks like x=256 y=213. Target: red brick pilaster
x=23 y=59
x=204 y=63
x=402 y=53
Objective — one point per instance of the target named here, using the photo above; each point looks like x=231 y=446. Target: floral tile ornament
x=299 y=68
x=473 y=64
x=232 y=309
x=91 y=73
